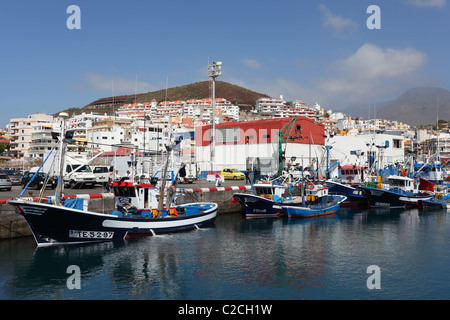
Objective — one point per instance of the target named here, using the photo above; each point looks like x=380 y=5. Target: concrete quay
x=13 y=225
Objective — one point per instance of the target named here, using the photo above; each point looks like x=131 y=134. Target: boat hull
x=435 y=203
x=299 y=211
x=429 y=204
x=53 y=225
x=257 y=206
x=379 y=198
x=355 y=199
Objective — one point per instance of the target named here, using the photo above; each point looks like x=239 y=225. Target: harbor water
x=406 y=253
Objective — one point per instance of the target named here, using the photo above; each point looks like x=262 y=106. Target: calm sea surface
x=252 y=259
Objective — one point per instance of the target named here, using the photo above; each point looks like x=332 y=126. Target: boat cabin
x=440 y=191
x=141 y=196
x=402 y=183
x=269 y=191
x=352 y=174
x=315 y=192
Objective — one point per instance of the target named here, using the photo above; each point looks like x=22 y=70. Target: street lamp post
x=214 y=70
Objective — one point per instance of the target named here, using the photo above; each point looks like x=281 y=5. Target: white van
x=102 y=174
x=73 y=177
x=78 y=175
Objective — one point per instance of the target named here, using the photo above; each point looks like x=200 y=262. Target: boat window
x=263 y=190
x=396 y=183
x=125 y=191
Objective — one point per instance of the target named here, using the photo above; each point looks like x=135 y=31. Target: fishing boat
x=315 y=201
x=347 y=185
x=433 y=172
x=264 y=200
x=399 y=192
x=142 y=210
x=440 y=199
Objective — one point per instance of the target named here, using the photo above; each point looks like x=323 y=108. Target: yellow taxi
x=230 y=173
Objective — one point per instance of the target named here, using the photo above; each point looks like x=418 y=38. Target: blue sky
x=315 y=51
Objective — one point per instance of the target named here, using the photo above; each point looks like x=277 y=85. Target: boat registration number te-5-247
x=91 y=234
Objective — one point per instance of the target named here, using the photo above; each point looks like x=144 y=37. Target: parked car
x=102 y=174
x=39 y=181
x=5 y=182
x=15 y=176
x=230 y=173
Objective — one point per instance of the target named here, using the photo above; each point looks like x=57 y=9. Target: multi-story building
x=269 y=105
x=106 y=134
x=139 y=110
x=200 y=108
x=149 y=137
x=21 y=132
x=435 y=147
x=42 y=141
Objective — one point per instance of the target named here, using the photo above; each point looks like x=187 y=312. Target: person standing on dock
x=218 y=179
x=247 y=176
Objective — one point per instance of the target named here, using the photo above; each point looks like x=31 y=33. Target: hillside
x=416 y=106
x=199 y=90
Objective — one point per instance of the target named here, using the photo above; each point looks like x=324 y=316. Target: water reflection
x=242 y=258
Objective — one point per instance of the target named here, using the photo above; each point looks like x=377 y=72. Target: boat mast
x=62 y=152
x=163 y=183
x=303 y=186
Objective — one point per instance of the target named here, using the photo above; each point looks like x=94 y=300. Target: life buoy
x=403 y=172
x=310 y=186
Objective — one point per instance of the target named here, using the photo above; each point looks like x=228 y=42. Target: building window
x=397 y=143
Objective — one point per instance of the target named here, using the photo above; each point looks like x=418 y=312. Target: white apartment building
x=139 y=110
x=200 y=108
x=269 y=105
x=41 y=140
x=106 y=134
x=149 y=137
x=21 y=132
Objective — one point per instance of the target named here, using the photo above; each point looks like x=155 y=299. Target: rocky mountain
x=417 y=106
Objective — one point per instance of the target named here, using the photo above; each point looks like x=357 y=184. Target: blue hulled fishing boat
x=440 y=199
x=315 y=201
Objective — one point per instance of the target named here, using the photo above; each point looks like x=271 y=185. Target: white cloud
x=428 y=3
x=371 y=72
x=337 y=23
x=251 y=63
x=118 y=85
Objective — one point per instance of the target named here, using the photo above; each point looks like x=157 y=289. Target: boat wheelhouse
x=264 y=201
x=352 y=175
